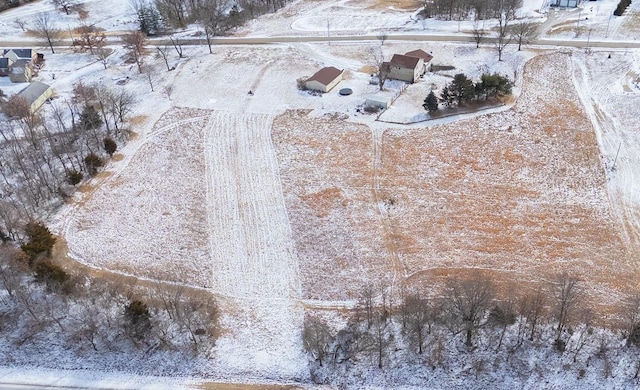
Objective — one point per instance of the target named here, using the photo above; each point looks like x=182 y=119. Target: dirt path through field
x=251 y=247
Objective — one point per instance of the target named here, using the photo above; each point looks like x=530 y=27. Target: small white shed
x=380 y=100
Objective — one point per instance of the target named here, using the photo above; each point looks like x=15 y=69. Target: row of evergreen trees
x=463 y=90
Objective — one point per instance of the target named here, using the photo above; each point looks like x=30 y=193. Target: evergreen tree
x=89 y=118
x=93 y=162
x=462 y=89
x=446 y=96
x=492 y=86
x=431 y=102
x=149 y=20
x=110 y=146
x=40 y=240
x=137 y=320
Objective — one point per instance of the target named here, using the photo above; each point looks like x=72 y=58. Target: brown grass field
x=520 y=195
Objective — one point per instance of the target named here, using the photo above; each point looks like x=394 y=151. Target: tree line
x=464 y=9
x=41 y=301
x=462 y=90
x=46 y=153
x=475 y=323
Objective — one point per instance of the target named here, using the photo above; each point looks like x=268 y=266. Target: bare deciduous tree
x=64 y=5
x=213 y=19
x=382 y=67
x=478 y=33
x=502 y=315
x=523 y=32
x=45 y=28
x=532 y=308
x=419 y=315
x=566 y=295
x=103 y=54
x=316 y=337
x=630 y=312
x=90 y=39
x=20 y=23
x=162 y=53
x=467 y=304
x=134 y=42
x=176 y=45
x=502 y=36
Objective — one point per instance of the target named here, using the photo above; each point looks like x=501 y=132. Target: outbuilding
x=379 y=100
x=36 y=94
x=324 y=79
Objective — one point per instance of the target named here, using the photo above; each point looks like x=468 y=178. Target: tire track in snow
x=250 y=234
x=596 y=96
x=252 y=250
x=399 y=272
x=327 y=59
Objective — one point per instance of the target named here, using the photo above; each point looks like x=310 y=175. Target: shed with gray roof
x=36 y=94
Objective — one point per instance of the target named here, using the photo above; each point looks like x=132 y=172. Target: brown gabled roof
x=402 y=61
x=420 y=54
x=326 y=75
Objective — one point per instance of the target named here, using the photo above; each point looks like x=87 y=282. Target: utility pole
x=329 y=40
x=606 y=34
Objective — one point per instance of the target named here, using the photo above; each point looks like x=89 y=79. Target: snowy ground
x=203 y=196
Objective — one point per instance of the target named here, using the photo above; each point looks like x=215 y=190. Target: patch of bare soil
x=520 y=194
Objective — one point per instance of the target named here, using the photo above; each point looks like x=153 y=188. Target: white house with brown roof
x=426 y=58
x=405 y=68
x=324 y=79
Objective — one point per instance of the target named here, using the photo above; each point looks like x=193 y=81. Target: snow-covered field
x=282 y=200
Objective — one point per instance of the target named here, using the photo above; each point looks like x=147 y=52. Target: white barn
x=324 y=79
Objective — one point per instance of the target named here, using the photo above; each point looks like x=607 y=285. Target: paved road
x=355 y=38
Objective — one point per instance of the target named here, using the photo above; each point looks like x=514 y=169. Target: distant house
x=23 y=54
x=324 y=79
x=565 y=3
x=405 y=68
x=5 y=63
x=20 y=71
x=36 y=94
x=426 y=58
x=19 y=64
